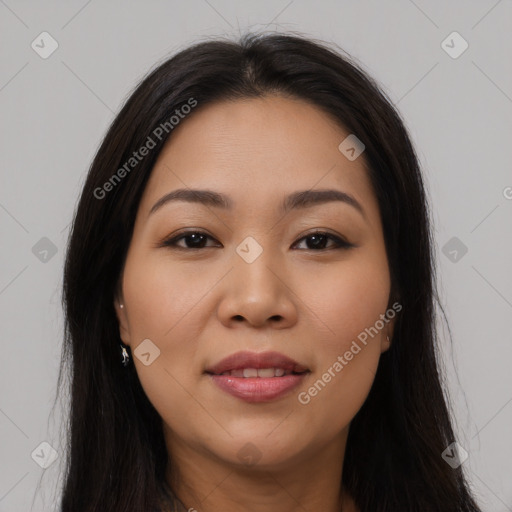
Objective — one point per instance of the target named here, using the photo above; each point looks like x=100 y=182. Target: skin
x=201 y=305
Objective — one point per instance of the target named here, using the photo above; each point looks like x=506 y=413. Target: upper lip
x=258 y=360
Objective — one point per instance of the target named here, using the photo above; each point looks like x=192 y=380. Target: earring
x=121 y=306
x=124 y=355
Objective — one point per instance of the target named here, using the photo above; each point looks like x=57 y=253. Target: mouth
x=262 y=373
x=257 y=377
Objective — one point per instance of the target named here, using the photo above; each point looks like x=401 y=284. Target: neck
x=310 y=480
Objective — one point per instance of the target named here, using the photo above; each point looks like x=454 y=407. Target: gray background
x=56 y=110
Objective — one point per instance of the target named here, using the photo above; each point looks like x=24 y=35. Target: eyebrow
x=296 y=200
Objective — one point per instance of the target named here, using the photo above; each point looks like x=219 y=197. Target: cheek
x=348 y=351
x=161 y=297
x=350 y=298
x=162 y=306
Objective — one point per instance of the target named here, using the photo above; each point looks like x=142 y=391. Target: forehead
x=256 y=151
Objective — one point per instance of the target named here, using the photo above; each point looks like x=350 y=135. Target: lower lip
x=258 y=389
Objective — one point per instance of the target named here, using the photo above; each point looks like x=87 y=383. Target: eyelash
x=171 y=242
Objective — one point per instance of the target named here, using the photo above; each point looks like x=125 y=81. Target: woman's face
x=256 y=280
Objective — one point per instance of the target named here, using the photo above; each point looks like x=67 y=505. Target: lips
x=257 y=377
x=253 y=364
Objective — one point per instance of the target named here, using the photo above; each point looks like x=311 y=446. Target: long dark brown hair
x=116 y=456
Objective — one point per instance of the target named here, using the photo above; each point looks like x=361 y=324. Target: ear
x=395 y=306
x=387 y=336
x=124 y=330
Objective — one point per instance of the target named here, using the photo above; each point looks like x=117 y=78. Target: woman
x=249 y=296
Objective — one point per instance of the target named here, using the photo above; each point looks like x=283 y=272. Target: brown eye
x=192 y=240
x=316 y=241
x=319 y=239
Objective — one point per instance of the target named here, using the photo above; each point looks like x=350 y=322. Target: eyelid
x=340 y=241
x=170 y=242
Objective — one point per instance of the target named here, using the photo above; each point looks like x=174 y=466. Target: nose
x=259 y=293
